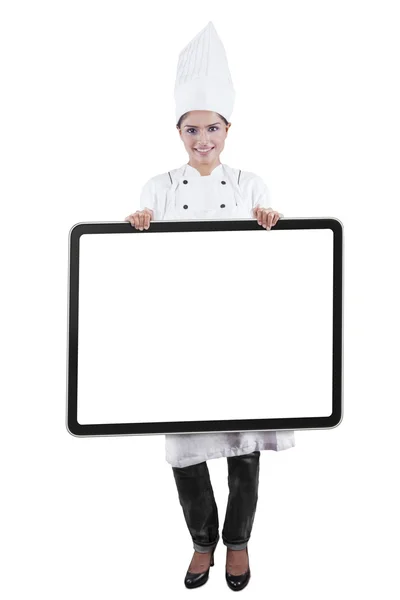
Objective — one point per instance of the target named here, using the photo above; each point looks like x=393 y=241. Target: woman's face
x=203 y=133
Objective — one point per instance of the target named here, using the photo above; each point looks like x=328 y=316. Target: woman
x=204 y=188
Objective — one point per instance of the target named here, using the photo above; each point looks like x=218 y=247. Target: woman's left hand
x=267 y=217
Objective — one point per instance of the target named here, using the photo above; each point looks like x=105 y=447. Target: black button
x=185 y=181
x=222 y=205
x=185 y=206
x=223 y=182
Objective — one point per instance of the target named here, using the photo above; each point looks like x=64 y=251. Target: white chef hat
x=203 y=80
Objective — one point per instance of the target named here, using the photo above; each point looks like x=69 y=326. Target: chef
x=204 y=188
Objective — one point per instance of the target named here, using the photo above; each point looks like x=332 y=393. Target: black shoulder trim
x=239 y=176
x=170 y=176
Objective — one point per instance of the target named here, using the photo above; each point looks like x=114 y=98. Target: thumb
x=151 y=212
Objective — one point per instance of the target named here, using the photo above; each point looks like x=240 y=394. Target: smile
x=204 y=151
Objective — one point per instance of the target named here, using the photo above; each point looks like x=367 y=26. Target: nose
x=204 y=134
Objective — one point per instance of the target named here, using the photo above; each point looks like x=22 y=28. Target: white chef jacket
x=227 y=193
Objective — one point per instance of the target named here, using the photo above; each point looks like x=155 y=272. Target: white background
x=87 y=116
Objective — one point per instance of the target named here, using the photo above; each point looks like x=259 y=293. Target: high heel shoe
x=194 y=580
x=238 y=582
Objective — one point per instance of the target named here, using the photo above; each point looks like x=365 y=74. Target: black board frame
x=149 y=428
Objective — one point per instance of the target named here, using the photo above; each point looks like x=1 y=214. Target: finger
x=136 y=220
x=150 y=215
x=275 y=219
x=141 y=220
x=147 y=211
x=147 y=221
x=260 y=215
x=257 y=211
x=270 y=219
x=265 y=218
x=144 y=218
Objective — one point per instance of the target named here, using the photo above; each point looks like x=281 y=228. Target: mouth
x=205 y=151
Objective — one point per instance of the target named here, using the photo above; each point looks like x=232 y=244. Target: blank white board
x=218 y=325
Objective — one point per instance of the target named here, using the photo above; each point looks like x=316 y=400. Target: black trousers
x=196 y=497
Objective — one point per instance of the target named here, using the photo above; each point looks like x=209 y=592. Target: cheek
x=219 y=141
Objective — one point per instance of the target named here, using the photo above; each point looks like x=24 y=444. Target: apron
x=217 y=196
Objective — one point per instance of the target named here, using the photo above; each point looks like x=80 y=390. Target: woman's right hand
x=141 y=219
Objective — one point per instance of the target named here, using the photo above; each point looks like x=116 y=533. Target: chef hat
x=203 y=80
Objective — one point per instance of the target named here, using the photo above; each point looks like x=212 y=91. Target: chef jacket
x=226 y=193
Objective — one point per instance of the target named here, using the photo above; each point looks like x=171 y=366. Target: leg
x=243 y=477
x=196 y=497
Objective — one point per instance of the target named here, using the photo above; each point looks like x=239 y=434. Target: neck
x=204 y=169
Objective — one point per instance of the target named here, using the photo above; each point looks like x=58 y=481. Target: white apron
x=184 y=194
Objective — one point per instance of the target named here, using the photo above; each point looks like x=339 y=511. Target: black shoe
x=238 y=582
x=194 y=580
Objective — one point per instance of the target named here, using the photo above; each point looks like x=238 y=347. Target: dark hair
x=186 y=114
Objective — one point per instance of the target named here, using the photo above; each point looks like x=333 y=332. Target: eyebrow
x=217 y=123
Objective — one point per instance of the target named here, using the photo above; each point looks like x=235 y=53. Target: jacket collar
x=190 y=171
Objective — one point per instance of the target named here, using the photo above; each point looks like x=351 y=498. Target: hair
x=186 y=114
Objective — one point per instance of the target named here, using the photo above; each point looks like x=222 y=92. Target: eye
x=213 y=127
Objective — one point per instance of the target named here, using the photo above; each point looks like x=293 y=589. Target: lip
x=204 y=153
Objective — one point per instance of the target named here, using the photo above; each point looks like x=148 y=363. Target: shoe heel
x=212 y=558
